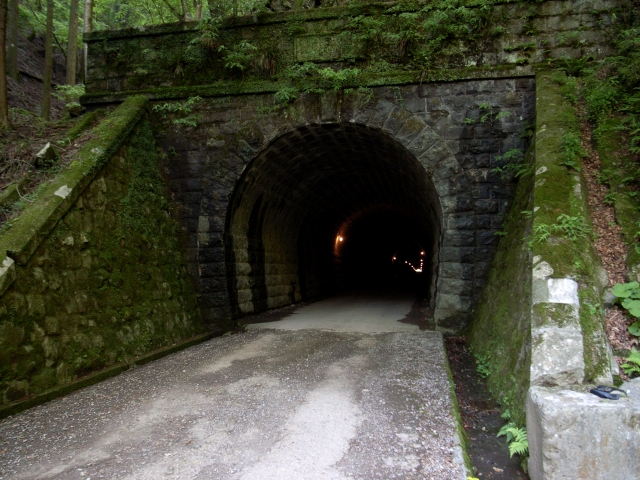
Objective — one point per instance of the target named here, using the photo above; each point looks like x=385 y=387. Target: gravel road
x=270 y=403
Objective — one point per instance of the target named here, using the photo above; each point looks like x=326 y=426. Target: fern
x=632 y=366
x=516 y=438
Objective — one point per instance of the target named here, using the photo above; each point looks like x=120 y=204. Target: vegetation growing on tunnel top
x=101 y=288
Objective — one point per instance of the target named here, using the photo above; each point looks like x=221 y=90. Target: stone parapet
x=575 y=435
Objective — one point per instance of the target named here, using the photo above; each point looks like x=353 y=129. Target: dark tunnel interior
x=326 y=209
x=385 y=250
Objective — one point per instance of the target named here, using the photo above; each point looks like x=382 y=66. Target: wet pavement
x=339 y=389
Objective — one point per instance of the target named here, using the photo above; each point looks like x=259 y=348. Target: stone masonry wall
x=106 y=284
x=156 y=60
x=472 y=124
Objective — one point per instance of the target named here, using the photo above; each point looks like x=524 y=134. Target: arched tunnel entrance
x=328 y=208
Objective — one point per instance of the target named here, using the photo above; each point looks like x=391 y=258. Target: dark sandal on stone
x=603 y=391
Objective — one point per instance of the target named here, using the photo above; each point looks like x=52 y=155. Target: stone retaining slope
x=544 y=334
x=92 y=274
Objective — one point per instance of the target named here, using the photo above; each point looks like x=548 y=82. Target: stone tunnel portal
x=327 y=208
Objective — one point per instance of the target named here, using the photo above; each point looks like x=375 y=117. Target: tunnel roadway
x=339 y=389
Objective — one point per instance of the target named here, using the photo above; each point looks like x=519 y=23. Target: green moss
x=501 y=326
x=390 y=44
x=38 y=219
x=84 y=123
x=108 y=283
x=559 y=191
x=616 y=174
x=455 y=412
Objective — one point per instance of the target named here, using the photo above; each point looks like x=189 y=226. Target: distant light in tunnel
x=340 y=239
x=422 y=253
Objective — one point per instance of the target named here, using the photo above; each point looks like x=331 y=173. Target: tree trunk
x=88 y=27
x=72 y=45
x=186 y=14
x=4 y=105
x=48 y=64
x=12 y=40
x=198 y=5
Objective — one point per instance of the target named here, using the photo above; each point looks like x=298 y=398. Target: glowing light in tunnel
x=340 y=239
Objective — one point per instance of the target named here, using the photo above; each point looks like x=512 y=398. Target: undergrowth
x=609 y=91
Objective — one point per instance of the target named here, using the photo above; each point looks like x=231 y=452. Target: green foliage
x=516 y=439
x=629 y=296
x=441 y=33
x=483 y=367
x=541 y=233
x=182 y=110
x=632 y=364
x=515 y=164
x=69 y=94
x=240 y=56
x=146 y=186
x=209 y=37
x=572 y=151
x=612 y=85
x=572 y=226
x=610 y=198
x=308 y=77
x=286 y=94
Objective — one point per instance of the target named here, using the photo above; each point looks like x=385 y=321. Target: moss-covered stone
x=501 y=329
x=104 y=281
x=560 y=195
x=169 y=61
x=547 y=243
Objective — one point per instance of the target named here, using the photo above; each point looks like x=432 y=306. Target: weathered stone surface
x=105 y=283
x=556 y=356
x=576 y=435
x=47 y=157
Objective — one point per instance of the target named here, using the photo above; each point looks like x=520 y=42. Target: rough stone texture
x=576 y=435
x=257 y=189
x=501 y=327
x=557 y=356
x=533 y=326
x=566 y=269
x=106 y=284
x=154 y=58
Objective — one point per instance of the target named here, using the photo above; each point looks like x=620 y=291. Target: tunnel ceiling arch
x=233 y=209
x=309 y=186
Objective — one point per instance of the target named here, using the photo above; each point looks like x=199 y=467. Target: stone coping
x=18 y=244
x=267 y=18
x=568 y=342
x=256 y=87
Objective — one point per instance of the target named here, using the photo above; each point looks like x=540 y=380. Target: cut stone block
x=575 y=435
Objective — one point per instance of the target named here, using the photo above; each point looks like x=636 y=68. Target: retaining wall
x=93 y=275
x=540 y=325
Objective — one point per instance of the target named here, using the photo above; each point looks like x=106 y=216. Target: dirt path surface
x=266 y=404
